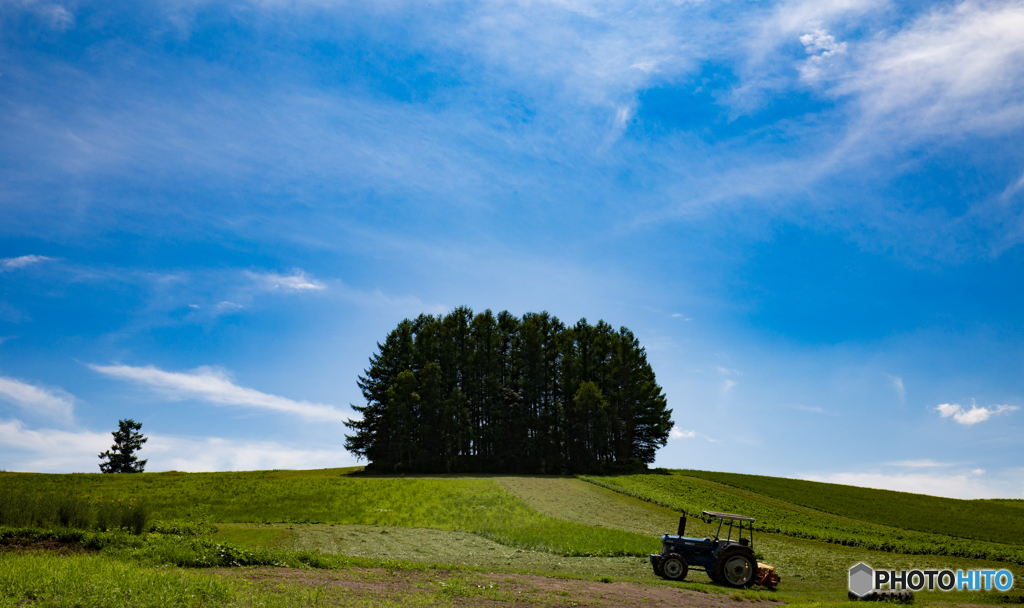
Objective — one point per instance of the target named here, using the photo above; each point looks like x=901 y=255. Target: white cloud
x=54 y=14
x=229 y=307
x=21 y=261
x=216 y=454
x=297 y=281
x=924 y=463
x=821 y=46
x=955 y=69
x=50 y=450
x=974 y=415
x=213 y=386
x=728 y=385
x=807 y=408
x=678 y=433
x=978 y=471
x=1013 y=188
x=897 y=385
x=54 y=451
x=965 y=485
x=49 y=402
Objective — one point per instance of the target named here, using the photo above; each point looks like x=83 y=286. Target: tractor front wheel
x=674 y=567
x=736 y=570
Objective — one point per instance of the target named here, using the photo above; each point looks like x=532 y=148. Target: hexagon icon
x=861 y=579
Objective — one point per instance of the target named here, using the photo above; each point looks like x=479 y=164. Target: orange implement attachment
x=766 y=576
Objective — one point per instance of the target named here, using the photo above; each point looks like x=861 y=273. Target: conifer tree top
x=120 y=458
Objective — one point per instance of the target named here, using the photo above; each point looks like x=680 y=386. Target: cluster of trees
x=496 y=393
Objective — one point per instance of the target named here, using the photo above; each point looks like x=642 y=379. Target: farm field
x=692 y=494
x=989 y=520
x=431 y=530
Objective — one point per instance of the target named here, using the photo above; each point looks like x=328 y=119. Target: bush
x=122 y=514
x=73 y=511
x=20 y=509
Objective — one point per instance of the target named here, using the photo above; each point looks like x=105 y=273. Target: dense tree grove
x=485 y=393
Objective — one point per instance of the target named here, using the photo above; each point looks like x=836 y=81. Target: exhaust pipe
x=682 y=526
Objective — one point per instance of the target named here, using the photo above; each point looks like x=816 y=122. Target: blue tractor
x=727 y=561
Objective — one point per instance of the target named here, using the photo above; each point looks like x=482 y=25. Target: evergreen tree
x=120 y=458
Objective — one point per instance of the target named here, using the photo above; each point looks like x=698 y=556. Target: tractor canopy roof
x=715 y=514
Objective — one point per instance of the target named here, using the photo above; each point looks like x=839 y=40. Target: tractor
x=727 y=561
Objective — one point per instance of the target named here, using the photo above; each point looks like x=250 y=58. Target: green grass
x=692 y=495
x=344 y=524
x=474 y=505
x=84 y=580
x=993 y=521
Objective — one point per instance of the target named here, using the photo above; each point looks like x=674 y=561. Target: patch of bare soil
x=485 y=589
x=24 y=545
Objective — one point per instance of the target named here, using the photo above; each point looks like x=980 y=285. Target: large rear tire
x=674 y=567
x=736 y=570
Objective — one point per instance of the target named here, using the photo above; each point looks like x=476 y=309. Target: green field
x=691 y=494
x=988 y=520
x=445 y=530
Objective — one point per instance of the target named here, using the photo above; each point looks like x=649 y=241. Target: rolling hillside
x=596 y=527
x=989 y=520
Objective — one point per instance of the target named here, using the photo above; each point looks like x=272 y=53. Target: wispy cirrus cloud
x=213 y=385
x=954 y=69
x=49 y=402
x=968 y=417
x=297 y=281
x=897 y=385
x=21 y=261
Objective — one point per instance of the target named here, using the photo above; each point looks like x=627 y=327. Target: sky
x=809 y=212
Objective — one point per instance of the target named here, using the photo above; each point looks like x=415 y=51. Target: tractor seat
x=745 y=542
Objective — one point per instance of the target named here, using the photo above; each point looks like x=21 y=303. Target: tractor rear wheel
x=736 y=570
x=674 y=567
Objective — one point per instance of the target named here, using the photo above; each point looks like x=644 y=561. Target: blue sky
x=809 y=212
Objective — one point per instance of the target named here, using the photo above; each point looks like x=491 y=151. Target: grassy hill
x=691 y=495
x=591 y=527
x=993 y=521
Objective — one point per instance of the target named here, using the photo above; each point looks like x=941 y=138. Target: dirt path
x=431 y=587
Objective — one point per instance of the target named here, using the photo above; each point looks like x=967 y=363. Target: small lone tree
x=120 y=458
